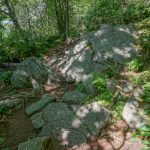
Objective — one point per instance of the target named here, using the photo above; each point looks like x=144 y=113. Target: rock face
x=30 y=69
x=132 y=113
x=74 y=97
x=108 y=47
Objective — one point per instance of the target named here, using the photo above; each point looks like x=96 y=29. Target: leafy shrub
x=99 y=82
x=104 y=99
x=142 y=79
x=116 y=12
x=135 y=65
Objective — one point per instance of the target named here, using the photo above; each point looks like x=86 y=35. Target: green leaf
x=146 y=112
x=134 y=135
x=146 y=142
x=146 y=128
x=145 y=134
x=147 y=99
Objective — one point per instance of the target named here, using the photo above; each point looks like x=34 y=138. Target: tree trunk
x=12 y=15
x=62 y=15
x=67 y=18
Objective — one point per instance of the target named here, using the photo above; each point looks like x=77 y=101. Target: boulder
x=73 y=124
x=37 y=120
x=34 y=144
x=30 y=71
x=132 y=114
x=113 y=43
x=111 y=46
x=93 y=116
x=65 y=133
x=57 y=111
x=77 y=64
x=74 y=97
x=44 y=101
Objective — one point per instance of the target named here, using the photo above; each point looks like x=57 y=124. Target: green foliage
x=99 y=82
x=141 y=63
x=135 y=65
x=80 y=87
x=112 y=72
x=144 y=131
x=116 y=12
x=105 y=99
x=144 y=78
x=5 y=77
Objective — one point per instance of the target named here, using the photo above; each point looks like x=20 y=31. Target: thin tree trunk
x=12 y=15
x=67 y=17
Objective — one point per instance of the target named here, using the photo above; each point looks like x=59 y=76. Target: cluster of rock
x=69 y=121
x=111 y=46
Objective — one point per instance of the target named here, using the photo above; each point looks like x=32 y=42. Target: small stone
x=74 y=97
x=128 y=88
x=37 y=120
x=138 y=92
x=44 y=101
x=111 y=86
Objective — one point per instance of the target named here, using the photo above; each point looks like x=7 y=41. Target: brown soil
x=18 y=128
x=113 y=137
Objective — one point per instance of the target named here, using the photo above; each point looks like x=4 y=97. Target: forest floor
x=18 y=128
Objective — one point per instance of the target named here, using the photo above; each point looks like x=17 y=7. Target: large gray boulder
x=74 y=97
x=114 y=43
x=133 y=114
x=37 y=106
x=30 y=71
x=93 y=116
x=77 y=64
